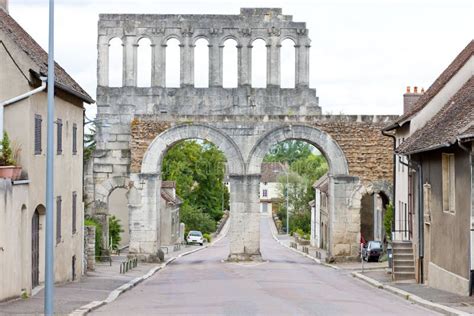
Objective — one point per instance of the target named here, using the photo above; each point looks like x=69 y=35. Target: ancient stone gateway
x=137 y=125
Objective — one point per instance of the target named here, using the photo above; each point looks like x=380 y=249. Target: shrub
x=115 y=228
x=98 y=234
x=6 y=154
x=387 y=221
x=207 y=237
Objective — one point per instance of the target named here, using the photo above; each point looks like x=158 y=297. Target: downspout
x=421 y=236
x=394 y=176
x=19 y=98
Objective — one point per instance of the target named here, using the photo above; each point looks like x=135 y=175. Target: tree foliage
x=198 y=170
x=387 y=220
x=288 y=151
x=115 y=229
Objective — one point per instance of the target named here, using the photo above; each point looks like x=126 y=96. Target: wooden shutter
x=58 y=219
x=74 y=139
x=38 y=121
x=59 y=130
x=74 y=211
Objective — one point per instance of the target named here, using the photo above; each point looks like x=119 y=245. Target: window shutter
x=59 y=136
x=74 y=139
x=38 y=121
x=74 y=211
x=58 y=219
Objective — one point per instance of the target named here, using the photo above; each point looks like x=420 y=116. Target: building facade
x=22 y=215
x=271 y=190
x=170 y=205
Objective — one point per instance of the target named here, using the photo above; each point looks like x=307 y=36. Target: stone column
x=103 y=61
x=158 y=59
x=302 y=62
x=144 y=209
x=214 y=63
x=187 y=60
x=273 y=62
x=244 y=232
x=245 y=64
x=344 y=218
x=221 y=67
x=89 y=247
x=130 y=62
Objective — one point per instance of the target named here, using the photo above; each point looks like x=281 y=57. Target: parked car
x=195 y=237
x=372 y=250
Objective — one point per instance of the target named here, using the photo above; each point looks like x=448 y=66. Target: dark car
x=372 y=250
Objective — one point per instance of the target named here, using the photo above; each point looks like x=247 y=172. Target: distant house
x=270 y=186
x=22 y=211
x=439 y=152
x=170 y=206
x=320 y=213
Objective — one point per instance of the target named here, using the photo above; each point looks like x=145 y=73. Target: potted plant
x=8 y=168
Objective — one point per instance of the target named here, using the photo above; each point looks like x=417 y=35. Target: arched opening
x=372 y=212
x=293 y=186
x=119 y=231
x=173 y=63
x=259 y=64
x=193 y=191
x=230 y=64
x=144 y=63
x=287 y=63
x=201 y=63
x=115 y=62
x=37 y=245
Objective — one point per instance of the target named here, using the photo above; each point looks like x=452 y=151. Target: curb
x=273 y=229
x=409 y=296
x=85 y=309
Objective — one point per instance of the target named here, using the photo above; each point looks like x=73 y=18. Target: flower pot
x=10 y=172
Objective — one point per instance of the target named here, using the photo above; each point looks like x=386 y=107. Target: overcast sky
x=363 y=55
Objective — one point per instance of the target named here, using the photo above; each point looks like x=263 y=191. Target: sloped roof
x=454 y=121
x=437 y=85
x=322 y=183
x=271 y=171
x=39 y=57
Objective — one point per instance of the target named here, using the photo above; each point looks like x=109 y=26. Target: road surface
x=286 y=283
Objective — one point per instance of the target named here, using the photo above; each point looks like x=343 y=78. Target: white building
x=319 y=213
x=270 y=187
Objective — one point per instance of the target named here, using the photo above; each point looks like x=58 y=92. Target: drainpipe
x=394 y=176
x=421 y=229
x=19 y=98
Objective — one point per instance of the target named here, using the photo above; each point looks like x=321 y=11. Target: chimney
x=410 y=98
x=4 y=5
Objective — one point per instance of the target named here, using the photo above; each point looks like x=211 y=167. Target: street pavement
x=286 y=283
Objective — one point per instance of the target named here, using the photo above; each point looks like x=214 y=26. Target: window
x=59 y=130
x=448 y=179
x=38 y=121
x=58 y=219
x=74 y=211
x=74 y=138
x=265 y=193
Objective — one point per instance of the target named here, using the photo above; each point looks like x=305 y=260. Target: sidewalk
x=458 y=302
x=94 y=286
x=375 y=274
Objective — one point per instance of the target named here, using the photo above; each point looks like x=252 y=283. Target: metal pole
x=287 y=210
x=49 y=246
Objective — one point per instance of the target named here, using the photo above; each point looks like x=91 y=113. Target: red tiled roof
x=439 y=83
x=38 y=55
x=271 y=171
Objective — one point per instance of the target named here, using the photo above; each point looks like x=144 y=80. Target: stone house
x=270 y=186
x=319 y=213
x=438 y=155
x=170 y=206
x=22 y=210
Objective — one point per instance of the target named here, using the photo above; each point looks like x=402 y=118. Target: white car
x=195 y=237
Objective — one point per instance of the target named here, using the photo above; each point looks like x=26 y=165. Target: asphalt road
x=286 y=283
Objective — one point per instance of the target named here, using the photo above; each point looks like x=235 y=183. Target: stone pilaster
x=302 y=63
x=103 y=61
x=158 y=67
x=245 y=64
x=130 y=62
x=244 y=230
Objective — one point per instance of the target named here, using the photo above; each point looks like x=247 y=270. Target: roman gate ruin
x=136 y=125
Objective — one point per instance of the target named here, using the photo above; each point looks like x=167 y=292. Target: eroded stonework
x=139 y=124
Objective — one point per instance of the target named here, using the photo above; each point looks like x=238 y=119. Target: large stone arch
x=157 y=149
x=329 y=148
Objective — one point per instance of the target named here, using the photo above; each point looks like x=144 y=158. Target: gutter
x=19 y=98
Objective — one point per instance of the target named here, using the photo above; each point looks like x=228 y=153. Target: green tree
x=288 y=151
x=387 y=220
x=198 y=170
x=6 y=154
